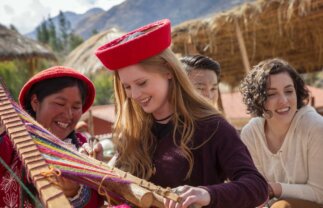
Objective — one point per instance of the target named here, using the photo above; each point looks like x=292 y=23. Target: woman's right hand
x=192 y=197
x=96 y=151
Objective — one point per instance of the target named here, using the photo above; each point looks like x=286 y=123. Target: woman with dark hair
x=56 y=98
x=285 y=137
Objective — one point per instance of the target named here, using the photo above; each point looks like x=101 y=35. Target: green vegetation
x=314 y=79
x=103 y=82
x=14 y=74
x=62 y=40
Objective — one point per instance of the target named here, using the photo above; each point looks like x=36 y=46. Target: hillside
x=134 y=13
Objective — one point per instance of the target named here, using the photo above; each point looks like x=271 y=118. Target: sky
x=25 y=15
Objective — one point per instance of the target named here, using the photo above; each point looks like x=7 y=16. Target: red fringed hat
x=136 y=46
x=54 y=72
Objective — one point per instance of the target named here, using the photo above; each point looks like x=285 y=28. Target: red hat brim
x=136 y=46
x=54 y=72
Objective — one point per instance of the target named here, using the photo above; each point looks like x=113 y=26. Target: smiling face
x=148 y=87
x=281 y=98
x=206 y=83
x=59 y=112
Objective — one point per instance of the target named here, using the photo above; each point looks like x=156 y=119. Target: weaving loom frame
x=51 y=195
x=137 y=191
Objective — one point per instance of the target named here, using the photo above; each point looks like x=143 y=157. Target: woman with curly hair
x=167 y=133
x=285 y=136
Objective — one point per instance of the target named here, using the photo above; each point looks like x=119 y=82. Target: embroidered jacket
x=13 y=196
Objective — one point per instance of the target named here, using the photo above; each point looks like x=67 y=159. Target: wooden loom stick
x=130 y=191
x=133 y=193
x=51 y=195
x=158 y=192
x=139 y=192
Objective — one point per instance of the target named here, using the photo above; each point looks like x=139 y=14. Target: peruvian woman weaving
x=40 y=164
x=55 y=98
x=170 y=135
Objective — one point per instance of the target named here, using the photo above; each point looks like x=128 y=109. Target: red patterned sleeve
x=6 y=152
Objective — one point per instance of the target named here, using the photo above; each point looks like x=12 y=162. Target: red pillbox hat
x=54 y=72
x=136 y=46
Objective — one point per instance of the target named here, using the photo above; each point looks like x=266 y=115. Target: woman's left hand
x=96 y=152
x=276 y=189
x=191 y=197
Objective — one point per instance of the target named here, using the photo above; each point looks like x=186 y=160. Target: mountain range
x=135 y=13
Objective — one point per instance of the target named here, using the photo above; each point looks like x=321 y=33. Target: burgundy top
x=223 y=157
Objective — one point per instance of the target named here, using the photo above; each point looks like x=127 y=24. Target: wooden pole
x=90 y=123
x=32 y=66
x=242 y=48
x=91 y=129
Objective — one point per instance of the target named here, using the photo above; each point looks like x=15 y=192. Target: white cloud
x=107 y=4
x=27 y=14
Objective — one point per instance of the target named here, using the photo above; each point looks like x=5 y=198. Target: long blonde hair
x=134 y=140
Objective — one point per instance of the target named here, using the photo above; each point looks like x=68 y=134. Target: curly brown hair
x=254 y=86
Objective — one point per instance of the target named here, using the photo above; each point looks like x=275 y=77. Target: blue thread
x=84 y=197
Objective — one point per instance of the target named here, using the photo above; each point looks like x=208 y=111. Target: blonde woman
x=167 y=133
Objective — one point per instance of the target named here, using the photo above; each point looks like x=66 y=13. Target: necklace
x=164 y=119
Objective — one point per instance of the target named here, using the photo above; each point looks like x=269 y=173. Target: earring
x=266 y=115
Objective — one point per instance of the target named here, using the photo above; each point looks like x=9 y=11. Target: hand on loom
x=192 y=197
x=96 y=152
x=275 y=190
x=69 y=187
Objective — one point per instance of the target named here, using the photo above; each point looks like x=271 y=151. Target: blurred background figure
x=204 y=73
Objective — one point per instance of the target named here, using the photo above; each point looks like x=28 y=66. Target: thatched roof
x=290 y=29
x=83 y=58
x=16 y=46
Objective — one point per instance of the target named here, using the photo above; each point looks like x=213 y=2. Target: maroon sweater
x=223 y=157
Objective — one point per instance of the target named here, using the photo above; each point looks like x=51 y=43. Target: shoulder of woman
x=309 y=115
x=308 y=126
x=215 y=125
x=307 y=119
x=213 y=120
x=255 y=124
